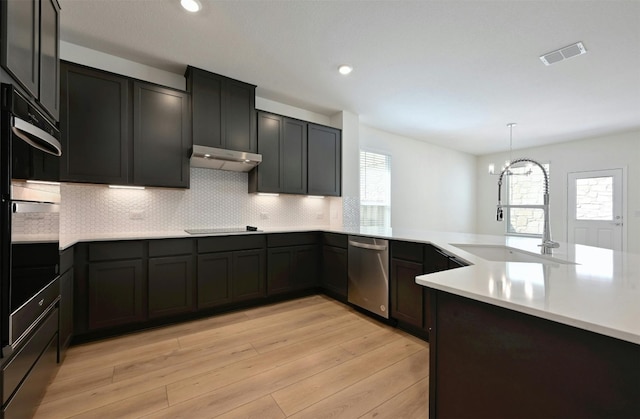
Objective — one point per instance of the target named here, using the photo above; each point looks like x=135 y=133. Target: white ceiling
x=449 y=72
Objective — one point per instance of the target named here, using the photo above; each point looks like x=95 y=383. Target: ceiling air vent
x=563 y=53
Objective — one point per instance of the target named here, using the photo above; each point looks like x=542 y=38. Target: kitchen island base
x=489 y=361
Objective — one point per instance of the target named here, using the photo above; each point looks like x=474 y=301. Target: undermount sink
x=500 y=253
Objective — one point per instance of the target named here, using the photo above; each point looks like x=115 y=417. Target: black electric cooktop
x=225 y=230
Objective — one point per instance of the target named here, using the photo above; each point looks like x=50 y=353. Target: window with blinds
x=525 y=186
x=375 y=189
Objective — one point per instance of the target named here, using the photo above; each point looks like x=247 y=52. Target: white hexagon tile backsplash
x=217 y=199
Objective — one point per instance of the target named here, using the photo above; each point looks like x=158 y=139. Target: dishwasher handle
x=379 y=248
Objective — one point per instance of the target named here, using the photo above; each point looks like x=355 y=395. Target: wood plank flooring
x=307 y=358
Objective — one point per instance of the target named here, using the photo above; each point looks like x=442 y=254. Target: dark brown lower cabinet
x=491 y=362
x=170 y=285
x=410 y=301
x=292 y=268
x=407 y=301
x=66 y=311
x=66 y=306
x=214 y=279
x=293 y=262
x=248 y=281
x=115 y=293
x=280 y=261
x=228 y=277
x=334 y=271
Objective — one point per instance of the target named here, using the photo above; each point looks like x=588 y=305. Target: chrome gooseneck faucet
x=547 y=246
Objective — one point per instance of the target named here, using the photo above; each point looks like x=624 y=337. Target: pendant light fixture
x=492 y=167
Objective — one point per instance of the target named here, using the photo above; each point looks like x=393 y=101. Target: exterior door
x=595 y=208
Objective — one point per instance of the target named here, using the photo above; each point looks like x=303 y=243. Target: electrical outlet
x=264 y=216
x=136 y=214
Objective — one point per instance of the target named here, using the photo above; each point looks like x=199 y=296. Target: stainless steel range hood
x=219 y=158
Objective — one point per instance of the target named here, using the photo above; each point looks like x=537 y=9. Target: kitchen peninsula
x=554 y=339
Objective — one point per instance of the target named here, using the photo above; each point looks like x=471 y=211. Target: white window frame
x=535 y=169
x=386 y=201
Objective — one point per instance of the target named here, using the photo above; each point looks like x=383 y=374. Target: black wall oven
x=29 y=238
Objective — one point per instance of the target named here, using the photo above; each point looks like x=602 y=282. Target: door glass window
x=594 y=198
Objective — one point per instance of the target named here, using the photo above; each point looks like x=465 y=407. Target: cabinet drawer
x=22 y=319
x=407 y=251
x=116 y=250
x=335 y=240
x=28 y=396
x=291 y=239
x=231 y=243
x=66 y=259
x=170 y=247
x=16 y=369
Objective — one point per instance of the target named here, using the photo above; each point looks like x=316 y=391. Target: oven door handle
x=36 y=137
x=33 y=207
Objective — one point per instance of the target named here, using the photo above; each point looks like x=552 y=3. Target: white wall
x=432 y=187
x=107 y=62
x=348 y=215
x=608 y=152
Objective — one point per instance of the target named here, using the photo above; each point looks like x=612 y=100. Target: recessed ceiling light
x=345 y=69
x=191 y=5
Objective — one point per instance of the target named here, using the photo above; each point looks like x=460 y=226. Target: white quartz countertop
x=597 y=290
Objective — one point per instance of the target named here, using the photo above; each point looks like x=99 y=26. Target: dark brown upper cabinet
x=223 y=111
x=283 y=146
x=31 y=49
x=161 y=139
x=94 y=126
x=324 y=160
x=298 y=157
x=117 y=130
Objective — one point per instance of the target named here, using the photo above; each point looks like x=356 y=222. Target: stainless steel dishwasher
x=369 y=274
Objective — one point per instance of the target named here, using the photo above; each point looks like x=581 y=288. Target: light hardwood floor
x=308 y=358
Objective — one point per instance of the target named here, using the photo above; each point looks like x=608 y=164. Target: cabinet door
x=206 y=100
x=170 y=285
x=214 y=279
x=406 y=295
x=248 y=275
x=280 y=270
x=161 y=136
x=50 y=57
x=21 y=43
x=94 y=126
x=324 y=161
x=115 y=293
x=269 y=176
x=334 y=270
x=239 y=116
x=293 y=161
x=306 y=267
